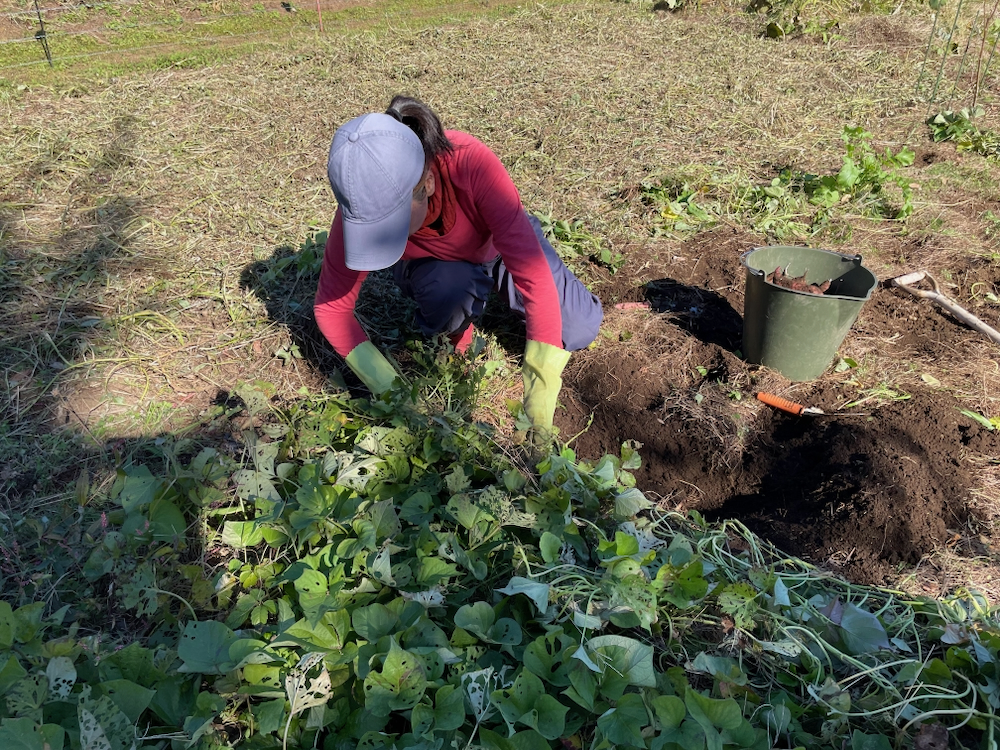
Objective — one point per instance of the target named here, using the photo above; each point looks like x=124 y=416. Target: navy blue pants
x=451 y=294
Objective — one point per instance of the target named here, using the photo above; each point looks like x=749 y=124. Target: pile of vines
x=381 y=574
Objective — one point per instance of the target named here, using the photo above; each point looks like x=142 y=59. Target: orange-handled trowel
x=790 y=406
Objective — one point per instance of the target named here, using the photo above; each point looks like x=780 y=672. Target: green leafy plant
x=309 y=259
x=881 y=393
x=575 y=237
x=992 y=231
x=846 y=363
x=678 y=206
x=306 y=262
x=864 y=176
x=959 y=128
x=385 y=577
x=990 y=423
x=793 y=205
x=783 y=19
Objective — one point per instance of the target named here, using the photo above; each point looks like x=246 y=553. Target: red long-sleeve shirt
x=489 y=221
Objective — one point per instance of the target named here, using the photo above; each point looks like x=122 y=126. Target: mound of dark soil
x=861 y=493
x=863 y=490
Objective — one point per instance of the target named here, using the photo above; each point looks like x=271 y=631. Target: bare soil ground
x=867 y=490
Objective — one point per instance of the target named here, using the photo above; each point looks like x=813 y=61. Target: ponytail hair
x=421 y=119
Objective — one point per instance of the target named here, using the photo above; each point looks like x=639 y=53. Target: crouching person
x=440 y=208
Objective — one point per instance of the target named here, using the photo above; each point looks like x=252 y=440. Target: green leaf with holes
x=103 y=726
x=453 y=550
x=62 y=677
x=384 y=520
x=505 y=632
x=27 y=696
x=477 y=618
x=11 y=672
x=544 y=657
x=525 y=702
x=312 y=588
x=480 y=620
x=447 y=713
x=417 y=509
x=399 y=685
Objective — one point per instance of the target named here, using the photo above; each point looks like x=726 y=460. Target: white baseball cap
x=375 y=163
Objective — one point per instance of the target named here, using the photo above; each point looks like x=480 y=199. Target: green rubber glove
x=542 y=372
x=369 y=364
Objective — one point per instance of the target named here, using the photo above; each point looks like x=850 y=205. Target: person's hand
x=542 y=373
x=369 y=364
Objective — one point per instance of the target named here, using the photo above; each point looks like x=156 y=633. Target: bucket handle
x=856 y=259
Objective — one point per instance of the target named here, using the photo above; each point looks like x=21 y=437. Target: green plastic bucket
x=795 y=332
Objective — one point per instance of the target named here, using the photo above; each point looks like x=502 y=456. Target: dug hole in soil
x=864 y=492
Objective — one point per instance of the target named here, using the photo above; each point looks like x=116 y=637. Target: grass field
x=162 y=205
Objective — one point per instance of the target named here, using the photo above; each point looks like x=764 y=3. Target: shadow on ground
x=704 y=314
x=286 y=284
x=56 y=321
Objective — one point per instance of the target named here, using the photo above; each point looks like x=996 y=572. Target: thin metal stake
x=41 y=36
x=947 y=51
x=961 y=63
x=989 y=60
x=927 y=52
x=980 y=75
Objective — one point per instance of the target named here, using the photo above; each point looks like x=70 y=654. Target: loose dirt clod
x=931 y=737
